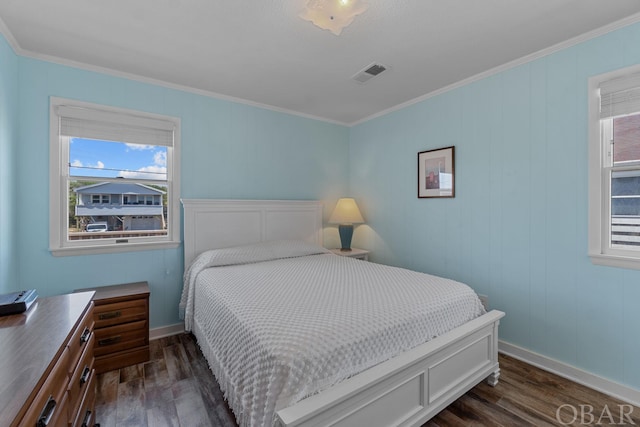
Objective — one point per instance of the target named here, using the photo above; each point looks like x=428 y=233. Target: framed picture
x=436 y=177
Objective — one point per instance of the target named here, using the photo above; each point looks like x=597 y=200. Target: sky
x=89 y=157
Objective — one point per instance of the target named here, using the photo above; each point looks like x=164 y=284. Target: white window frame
x=59 y=245
x=600 y=251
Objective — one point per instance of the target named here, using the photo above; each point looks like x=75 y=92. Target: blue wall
x=229 y=150
x=8 y=144
x=517 y=227
x=516 y=230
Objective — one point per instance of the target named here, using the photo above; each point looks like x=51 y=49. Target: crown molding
x=162 y=83
x=630 y=20
x=4 y=30
x=8 y=36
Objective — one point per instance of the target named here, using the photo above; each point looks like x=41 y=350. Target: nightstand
x=353 y=253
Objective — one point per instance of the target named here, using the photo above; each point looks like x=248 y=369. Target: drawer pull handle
x=47 y=412
x=85 y=335
x=110 y=315
x=85 y=375
x=111 y=340
x=87 y=418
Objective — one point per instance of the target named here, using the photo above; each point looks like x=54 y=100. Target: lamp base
x=346 y=233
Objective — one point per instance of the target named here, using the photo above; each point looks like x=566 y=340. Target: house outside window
x=614 y=169
x=118 y=170
x=118 y=216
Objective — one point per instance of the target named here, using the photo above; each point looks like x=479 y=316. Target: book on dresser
x=121 y=317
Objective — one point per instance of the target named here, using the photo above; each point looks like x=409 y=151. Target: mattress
x=280 y=321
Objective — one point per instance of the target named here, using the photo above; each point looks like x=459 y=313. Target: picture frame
x=436 y=173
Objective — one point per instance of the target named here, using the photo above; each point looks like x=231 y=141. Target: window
x=614 y=169
x=109 y=168
x=100 y=198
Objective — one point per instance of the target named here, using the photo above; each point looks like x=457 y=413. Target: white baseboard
x=165 y=331
x=611 y=388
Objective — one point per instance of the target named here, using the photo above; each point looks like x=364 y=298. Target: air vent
x=368 y=72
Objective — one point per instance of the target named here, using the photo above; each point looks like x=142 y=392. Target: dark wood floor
x=176 y=388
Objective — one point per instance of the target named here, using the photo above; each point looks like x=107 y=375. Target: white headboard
x=214 y=224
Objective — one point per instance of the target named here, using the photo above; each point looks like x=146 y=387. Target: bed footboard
x=410 y=388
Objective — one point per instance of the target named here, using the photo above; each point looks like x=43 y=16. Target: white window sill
x=615 y=261
x=111 y=249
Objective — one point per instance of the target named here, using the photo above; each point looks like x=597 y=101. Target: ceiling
x=263 y=53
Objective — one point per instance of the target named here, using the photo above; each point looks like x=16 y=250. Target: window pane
x=626 y=137
x=625 y=183
x=116 y=210
x=94 y=158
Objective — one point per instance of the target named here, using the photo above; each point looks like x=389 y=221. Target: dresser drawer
x=80 y=377
x=51 y=400
x=120 y=312
x=80 y=338
x=121 y=337
x=121 y=315
x=86 y=416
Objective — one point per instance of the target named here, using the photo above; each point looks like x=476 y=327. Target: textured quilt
x=282 y=321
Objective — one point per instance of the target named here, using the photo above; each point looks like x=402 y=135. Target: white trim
x=611 y=388
x=166 y=331
x=168 y=85
x=635 y=18
x=58 y=156
x=112 y=249
x=598 y=188
x=615 y=261
x=8 y=35
x=18 y=50
x=512 y=64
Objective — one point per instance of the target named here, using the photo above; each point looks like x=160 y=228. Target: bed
x=296 y=349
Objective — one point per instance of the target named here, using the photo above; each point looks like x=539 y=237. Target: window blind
x=112 y=126
x=620 y=96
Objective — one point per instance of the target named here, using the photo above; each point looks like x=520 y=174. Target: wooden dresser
x=46 y=363
x=122 y=325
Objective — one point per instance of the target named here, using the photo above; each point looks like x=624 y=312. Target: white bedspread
x=277 y=331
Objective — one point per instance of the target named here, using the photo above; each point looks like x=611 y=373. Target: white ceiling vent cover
x=369 y=72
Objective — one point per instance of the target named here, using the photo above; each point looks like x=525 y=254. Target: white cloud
x=147 y=172
x=140 y=147
x=160 y=158
x=78 y=164
x=156 y=171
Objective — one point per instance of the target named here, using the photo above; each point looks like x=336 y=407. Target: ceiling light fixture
x=333 y=15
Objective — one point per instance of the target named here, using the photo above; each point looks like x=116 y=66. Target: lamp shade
x=346 y=212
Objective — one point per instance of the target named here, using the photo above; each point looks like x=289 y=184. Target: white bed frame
x=408 y=389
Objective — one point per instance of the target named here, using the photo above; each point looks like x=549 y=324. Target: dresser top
x=115 y=292
x=30 y=342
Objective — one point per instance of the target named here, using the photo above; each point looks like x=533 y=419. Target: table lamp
x=346 y=214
